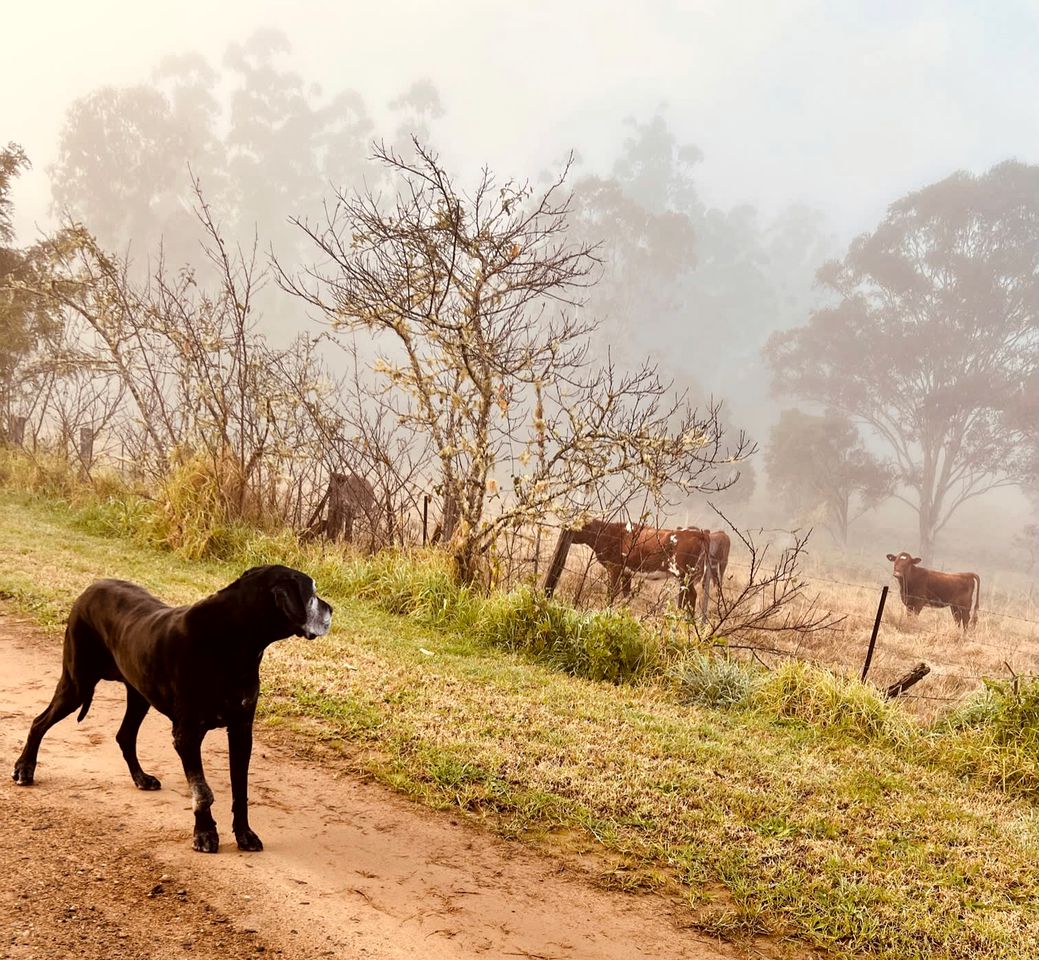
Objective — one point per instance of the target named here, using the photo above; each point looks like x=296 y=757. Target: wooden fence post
x=555 y=568
x=16 y=436
x=913 y=677
x=86 y=450
x=425 y=519
x=873 y=636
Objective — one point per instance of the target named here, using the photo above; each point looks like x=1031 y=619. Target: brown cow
x=717 y=559
x=624 y=550
x=920 y=587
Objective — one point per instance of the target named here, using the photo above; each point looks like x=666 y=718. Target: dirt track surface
x=91 y=867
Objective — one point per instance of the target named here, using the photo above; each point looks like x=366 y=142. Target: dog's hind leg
x=67 y=697
x=187 y=739
x=136 y=708
x=240 y=747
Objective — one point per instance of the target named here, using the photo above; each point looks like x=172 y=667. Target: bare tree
x=193 y=375
x=476 y=299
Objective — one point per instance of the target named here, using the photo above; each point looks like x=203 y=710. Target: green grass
x=794 y=804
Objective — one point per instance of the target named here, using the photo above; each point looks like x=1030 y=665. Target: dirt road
x=93 y=868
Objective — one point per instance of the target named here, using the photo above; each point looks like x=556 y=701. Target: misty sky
x=843 y=105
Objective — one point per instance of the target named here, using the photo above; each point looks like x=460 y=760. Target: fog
x=775 y=133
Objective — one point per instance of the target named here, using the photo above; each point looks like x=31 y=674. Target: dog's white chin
x=318 y=622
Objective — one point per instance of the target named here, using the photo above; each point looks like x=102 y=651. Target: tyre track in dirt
x=94 y=867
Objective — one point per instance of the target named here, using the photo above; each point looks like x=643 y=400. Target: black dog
x=199 y=665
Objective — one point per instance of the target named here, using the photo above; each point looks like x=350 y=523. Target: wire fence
x=875 y=588
x=954 y=663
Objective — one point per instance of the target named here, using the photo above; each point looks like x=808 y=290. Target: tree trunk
x=467 y=563
x=449 y=517
x=926 y=528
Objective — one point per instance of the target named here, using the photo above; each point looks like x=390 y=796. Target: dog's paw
x=23 y=773
x=147 y=782
x=206 y=841
x=247 y=840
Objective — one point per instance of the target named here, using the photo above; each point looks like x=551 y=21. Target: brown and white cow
x=920 y=587
x=624 y=550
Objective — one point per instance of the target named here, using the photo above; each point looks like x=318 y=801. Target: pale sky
x=844 y=105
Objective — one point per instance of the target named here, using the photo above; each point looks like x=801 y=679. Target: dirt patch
x=96 y=868
x=79 y=887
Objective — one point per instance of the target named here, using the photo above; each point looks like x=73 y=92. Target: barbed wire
x=876 y=588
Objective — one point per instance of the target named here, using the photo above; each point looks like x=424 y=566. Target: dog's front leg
x=240 y=748
x=187 y=739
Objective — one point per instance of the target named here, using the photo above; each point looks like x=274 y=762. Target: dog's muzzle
x=319 y=618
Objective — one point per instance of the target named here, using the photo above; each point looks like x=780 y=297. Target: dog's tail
x=85 y=707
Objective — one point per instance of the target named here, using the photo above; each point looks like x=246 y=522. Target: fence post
x=555 y=568
x=17 y=432
x=425 y=519
x=873 y=636
x=86 y=450
x=913 y=677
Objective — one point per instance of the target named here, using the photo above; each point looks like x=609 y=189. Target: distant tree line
x=915 y=352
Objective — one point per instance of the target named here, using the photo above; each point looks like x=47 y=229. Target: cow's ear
x=916 y=560
x=891 y=557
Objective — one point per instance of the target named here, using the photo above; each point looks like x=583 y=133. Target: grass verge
x=778 y=805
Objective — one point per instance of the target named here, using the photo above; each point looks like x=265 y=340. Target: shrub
x=993 y=737
x=715 y=681
x=598 y=645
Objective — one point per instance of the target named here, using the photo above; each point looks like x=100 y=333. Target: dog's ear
x=288 y=595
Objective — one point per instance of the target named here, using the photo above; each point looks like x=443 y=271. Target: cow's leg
x=136 y=708
x=187 y=739
x=687 y=594
x=68 y=695
x=240 y=748
x=626 y=582
x=717 y=574
x=614 y=573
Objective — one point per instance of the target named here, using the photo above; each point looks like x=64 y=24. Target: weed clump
x=609 y=645
x=801 y=691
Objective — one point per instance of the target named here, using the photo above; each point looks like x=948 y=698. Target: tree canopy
x=819 y=467
x=263 y=141
x=932 y=340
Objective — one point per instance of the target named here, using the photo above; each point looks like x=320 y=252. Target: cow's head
x=903 y=563
x=588 y=533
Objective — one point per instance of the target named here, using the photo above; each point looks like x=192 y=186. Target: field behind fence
x=1004 y=643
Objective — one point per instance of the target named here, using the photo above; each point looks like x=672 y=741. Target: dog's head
x=294 y=597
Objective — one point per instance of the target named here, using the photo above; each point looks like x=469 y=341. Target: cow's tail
x=977 y=598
